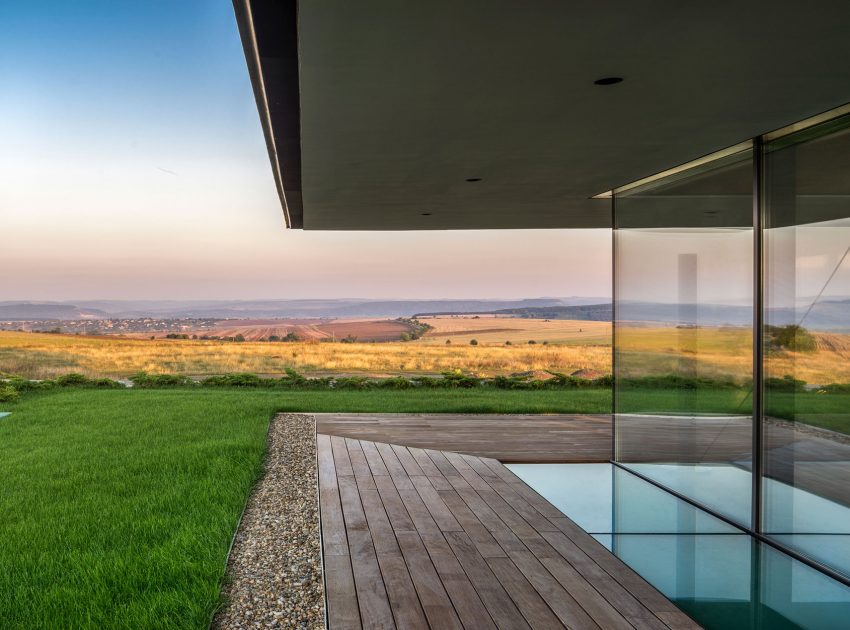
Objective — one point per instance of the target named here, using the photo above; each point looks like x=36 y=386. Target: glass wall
x=684 y=306
x=683 y=303
x=806 y=343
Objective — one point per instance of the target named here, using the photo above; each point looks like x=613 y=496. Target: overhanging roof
x=376 y=112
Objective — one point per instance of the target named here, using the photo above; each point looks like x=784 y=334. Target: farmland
x=502 y=346
x=498 y=330
x=44 y=355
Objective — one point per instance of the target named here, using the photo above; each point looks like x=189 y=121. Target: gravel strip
x=274 y=575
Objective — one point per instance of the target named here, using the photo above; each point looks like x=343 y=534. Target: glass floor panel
x=718 y=574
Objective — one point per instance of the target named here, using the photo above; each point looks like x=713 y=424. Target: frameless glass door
x=806 y=346
x=683 y=313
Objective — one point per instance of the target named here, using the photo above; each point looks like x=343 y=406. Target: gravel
x=274 y=574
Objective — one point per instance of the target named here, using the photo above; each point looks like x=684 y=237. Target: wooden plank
x=509 y=438
x=334 y=538
x=503 y=472
x=383 y=536
x=407 y=610
x=416 y=538
x=536 y=612
x=343 y=611
x=371 y=593
x=633 y=610
x=391 y=460
x=480 y=507
x=481 y=468
x=502 y=609
x=559 y=600
x=393 y=505
x=599 y=609
x=373 y=458
x=411 y=466
x=540 y=504
x=467 y=603
x=362 y=472
x=341 y=458
x=419 y=512
x=631 y=581
x=432 y=594
x=404 y=602
x=446 y=469
x=474 y=529
x=439 y=511
x=424 y=462
x=527 y=511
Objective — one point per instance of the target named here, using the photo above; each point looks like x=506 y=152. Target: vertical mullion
x=613 y=328
x=758 y=331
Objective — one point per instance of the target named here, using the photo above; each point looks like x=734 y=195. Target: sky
x=132 y=166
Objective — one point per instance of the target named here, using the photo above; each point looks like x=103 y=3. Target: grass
x=118 y=509
x=35 y=355
x=118 y=506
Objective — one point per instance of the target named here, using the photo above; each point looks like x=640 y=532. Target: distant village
x=110 y=326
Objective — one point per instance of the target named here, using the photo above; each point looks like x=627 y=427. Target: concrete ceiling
x=400 y=102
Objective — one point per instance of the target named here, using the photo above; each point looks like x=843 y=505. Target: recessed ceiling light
x=473 y=179
x=426 y=214
x=608 y=80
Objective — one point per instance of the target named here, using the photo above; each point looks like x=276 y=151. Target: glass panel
x=722 y=577
x=807 y=343
x=683 y=310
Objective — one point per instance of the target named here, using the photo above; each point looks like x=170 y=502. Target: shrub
x=8 y=393
x=80 y=380
x=458 y=379
x=237 y=380
x=473 y=342
x=531 y=342
x=791 y=337
x=785 y=384
x=143 y=380
x=396 y=382
x=676 y=381
x=353 y=382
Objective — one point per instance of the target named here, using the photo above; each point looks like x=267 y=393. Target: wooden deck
x=417 y=538
x=508 y=438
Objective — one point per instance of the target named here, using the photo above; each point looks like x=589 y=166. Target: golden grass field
x=497 y=330
x=44 y=355
x=571 y=346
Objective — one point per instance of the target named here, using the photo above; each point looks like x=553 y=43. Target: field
x=489 y=330
x=368 y=330
x=727 y=353
x=560 y=345
x=36 y=355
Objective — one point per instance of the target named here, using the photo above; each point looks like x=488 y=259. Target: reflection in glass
x=719 y=575
x=683 y=312
x=807 y=343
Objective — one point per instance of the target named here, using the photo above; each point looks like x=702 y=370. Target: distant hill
x=228 y=309
x=36 y=311
x=825 y=315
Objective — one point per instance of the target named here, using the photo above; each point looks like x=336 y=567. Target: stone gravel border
x=274 y=571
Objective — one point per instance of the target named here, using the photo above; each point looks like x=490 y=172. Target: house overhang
x=377 y=113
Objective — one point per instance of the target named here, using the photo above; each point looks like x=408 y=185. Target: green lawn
x=118 y=506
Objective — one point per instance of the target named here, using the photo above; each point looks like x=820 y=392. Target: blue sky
x=132 y=165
